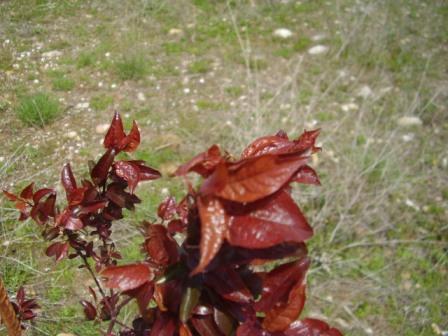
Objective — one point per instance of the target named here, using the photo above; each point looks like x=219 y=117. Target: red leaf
x=143 y=294
x=206 y=326
x=49 y=206
x=146 y=173
x=10 y=196
x=161 y=248
x=57 y=250
x=134 y=171
x=184 y=330
x=214 y=223
x=101 y=169
x=127 y=277
x=282 y=315
x=167 y=209
x=92 y=207
x=280 y=144
x=132 y=140
x=27 y=192
x=306 y=175
x=38 y=195
x=165 y=325
x=228 y=283
x=129 y=172
x=203 y=163
x=68 y=180
x=89 y=310
x=255 y=178
x=115 y=134
x=269 y=222
x=267 y=144
x=312 y=327
x=73 y=223
x=278 y=283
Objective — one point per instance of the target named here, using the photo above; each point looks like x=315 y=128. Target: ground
x=371 y=74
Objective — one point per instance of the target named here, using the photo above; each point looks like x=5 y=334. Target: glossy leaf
x=203 y=163
x=68 y=180
x=278 y=283
x=311 y=327
x=214 y=223
x=255 y=178
x=115 y=133
x=206 y=326
x=272 y=221
x=306 y=175
x=101 y=169
x=143 y=295
x=283 y=314
x=89 y=310
x=132 y=140
x=127 y=277
x=160 y=247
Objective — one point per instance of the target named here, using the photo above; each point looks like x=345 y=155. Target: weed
x=132 y=67
x=38 y=109
x=101 y=102
x=63 y=83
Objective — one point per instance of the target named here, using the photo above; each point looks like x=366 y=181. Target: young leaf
x=132 y=140
x=255 y=178
x=115 y=133
x=203 y=164
x=101 y=169
x=89 y=310
x=311 y=327
x=68 y=180
x=127 y=277
x=272 y=221
x=214 y=223
x=306 y=175
x=283 y=314
x=57 y=250
x=27 y=192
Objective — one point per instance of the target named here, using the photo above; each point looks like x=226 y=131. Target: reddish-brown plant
x=203 y=273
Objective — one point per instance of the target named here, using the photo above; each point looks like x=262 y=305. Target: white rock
x=365 y=91
x=318 y=37
x=101 y=128
x=283 y=33
x=83 y=105
x=409 y=121
x=408 y=137
x=186 y=90
x=141 y=96
x=52 y=54
x=113 y=86
x=107 y=54
x=2 y=158
x=349 y=107
x=72 y=134
x=175 y=31
x=318 y=49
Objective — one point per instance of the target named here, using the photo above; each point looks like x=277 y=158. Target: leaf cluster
x=204 y=270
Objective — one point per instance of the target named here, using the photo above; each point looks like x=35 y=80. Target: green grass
x=101 y=102
x=199 y=67
x=132 y=67
x=38 y=109
x=62 y=82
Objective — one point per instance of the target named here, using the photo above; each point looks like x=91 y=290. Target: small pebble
x=283 y=33
x=318 y=50
x=141 y=96
x=72 y=134
x=102 y=128
x=409 y=121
